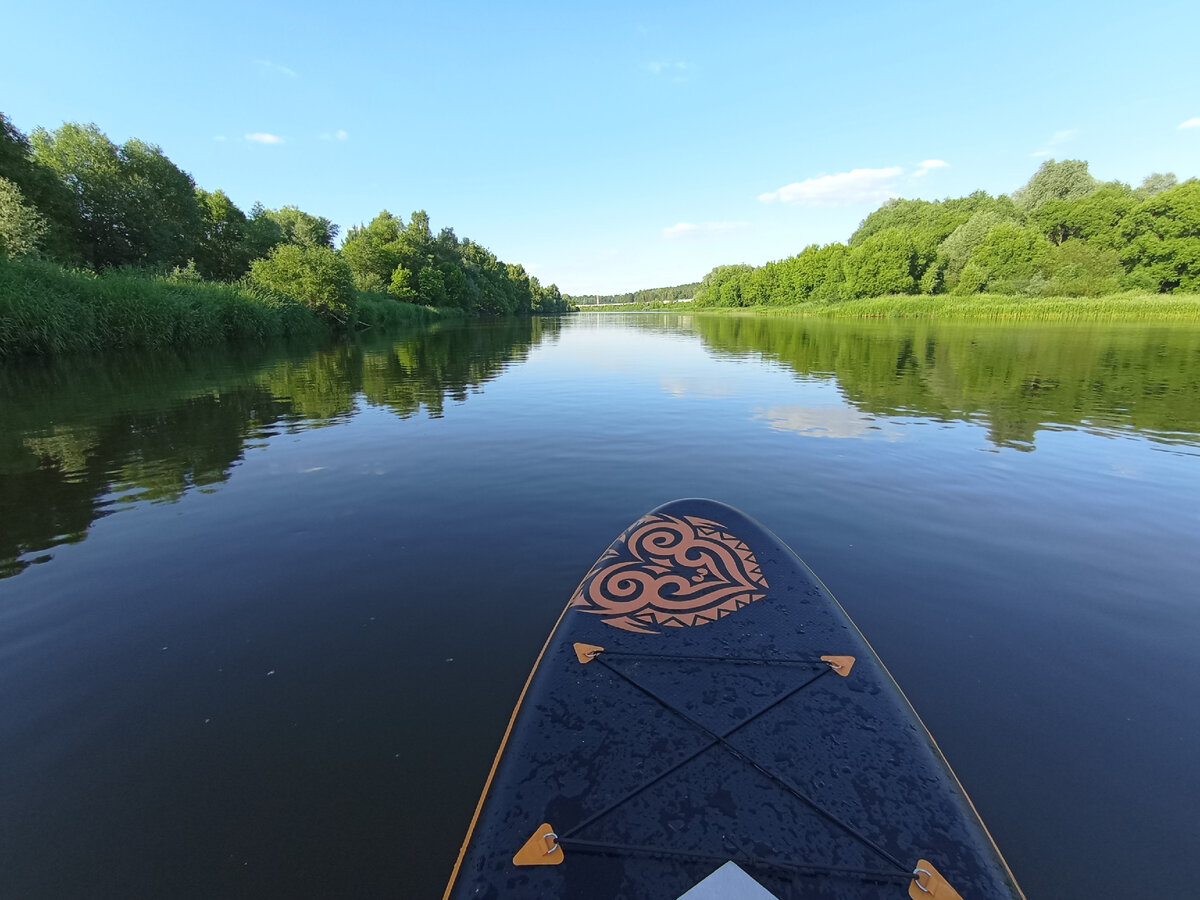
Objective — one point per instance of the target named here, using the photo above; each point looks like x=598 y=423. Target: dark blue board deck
x=704 y=699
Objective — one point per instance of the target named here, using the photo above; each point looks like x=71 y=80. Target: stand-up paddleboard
x=706 y=722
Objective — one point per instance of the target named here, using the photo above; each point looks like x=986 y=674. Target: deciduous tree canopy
x=1063 y=234
x=75 y=197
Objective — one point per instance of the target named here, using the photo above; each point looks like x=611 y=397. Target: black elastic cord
x=745 y=861
x=739 y=754
x=687 y=759
x=769 y=660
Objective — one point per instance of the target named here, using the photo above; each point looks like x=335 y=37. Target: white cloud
x=1190 y=123
x=340 y=135
x=269 y=66
x=1055 y=140
x=929 y=164
x=658 y=68
x=702 y=229
x=261 y=137
x=220 y=137
x=842 y=189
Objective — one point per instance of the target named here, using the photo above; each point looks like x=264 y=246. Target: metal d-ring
x=552 y=835
x=917 y=873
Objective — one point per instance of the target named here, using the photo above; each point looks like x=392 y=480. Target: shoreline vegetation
x=1112 y=307
x=106 y=246
x=47 y=310
x=1065 y=245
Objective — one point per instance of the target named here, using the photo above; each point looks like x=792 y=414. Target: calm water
x=264 y=615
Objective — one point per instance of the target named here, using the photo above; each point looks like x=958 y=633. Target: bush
x=21 y=225
x=45 y=309
x=314 y=275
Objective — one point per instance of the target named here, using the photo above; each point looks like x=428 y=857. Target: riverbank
x=1112 y=307
x=45 y=309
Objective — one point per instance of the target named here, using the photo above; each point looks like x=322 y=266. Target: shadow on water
x=81 y=437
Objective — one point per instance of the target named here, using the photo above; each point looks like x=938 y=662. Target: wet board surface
x=682 y=716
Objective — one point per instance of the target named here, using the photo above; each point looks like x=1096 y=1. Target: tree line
x=74 y=197
x=1064 y=233
x=647 y=295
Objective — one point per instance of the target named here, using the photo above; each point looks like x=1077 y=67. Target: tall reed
x=45 y=309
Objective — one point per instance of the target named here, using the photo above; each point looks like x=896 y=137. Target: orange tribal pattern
x=671 y=571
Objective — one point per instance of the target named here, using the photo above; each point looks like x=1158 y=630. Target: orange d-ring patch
x=541 y=849
x=585 y=653
x=840 y=664
x=928 y=884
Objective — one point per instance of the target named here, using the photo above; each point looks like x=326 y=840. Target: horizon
x=620 y=149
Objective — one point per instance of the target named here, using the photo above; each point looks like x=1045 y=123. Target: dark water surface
x=266 y=614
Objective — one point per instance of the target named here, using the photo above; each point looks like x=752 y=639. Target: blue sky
x=617 y=146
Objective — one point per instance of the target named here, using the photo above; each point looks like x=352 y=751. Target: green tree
x=431 y=287
x=457 y=289
x=303 y=229
x=1156 y=183
x=418 y=225
x=21 y=226
x=956 y=249
x=1098 y=217
x=89 y=163
x=42 y=189
x=550 y=301
x=805 y=272
x=415 y=243
x=135 y=206
x=314 y=275
x=1082 y=269
x=885 y=263
x=401 y=285
x=1164 y=254
x=261 y=233
x=373 y=252
x=1008 y=260
x=722 y=286
x=222 y=252
x=487 y=280
x=1066 y=180
x=834 y=285
x=938 y=217
x=161 y=213
x=446 y=249
x=519 y=289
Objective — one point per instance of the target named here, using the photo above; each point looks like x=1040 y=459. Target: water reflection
x=828 y=422
x=80 y=437
x=1016 y=379
x=256 y=655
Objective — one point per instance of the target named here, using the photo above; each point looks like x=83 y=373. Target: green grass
x=1111 y=307
x=379 y=311
x=46 y=310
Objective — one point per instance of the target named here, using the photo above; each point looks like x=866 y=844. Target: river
x=264 y=613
